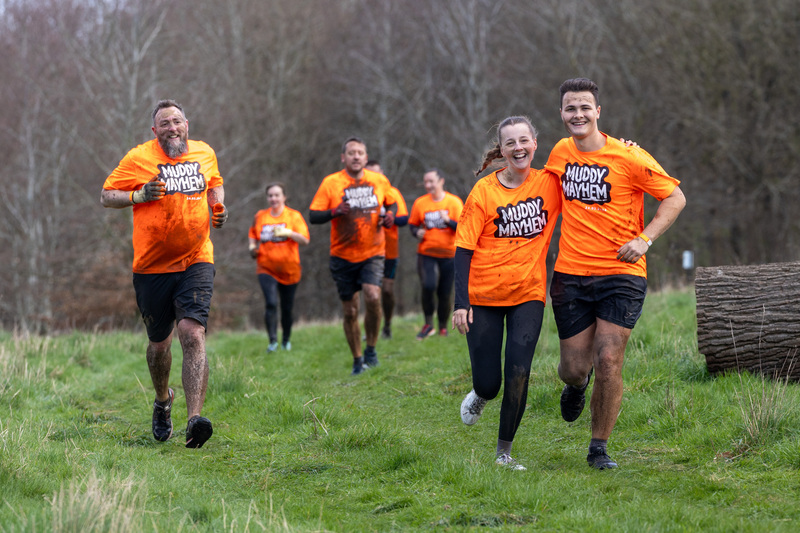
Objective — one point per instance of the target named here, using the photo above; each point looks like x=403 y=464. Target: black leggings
x=485 y=341
x=439 y=284
x=270 y=287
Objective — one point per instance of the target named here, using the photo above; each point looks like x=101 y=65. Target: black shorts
x=579 y=300
x=389 y=268
x=349 y=277
x=164 y=299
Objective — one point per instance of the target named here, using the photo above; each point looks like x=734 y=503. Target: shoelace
x=477 y=406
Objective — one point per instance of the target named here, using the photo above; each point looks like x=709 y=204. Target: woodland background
x=709 y=87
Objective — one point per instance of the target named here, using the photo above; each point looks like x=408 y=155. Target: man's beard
x=173 y=150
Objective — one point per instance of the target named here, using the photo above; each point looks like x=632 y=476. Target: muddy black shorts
x=579 y=300
x=349 y=277
x=164 y=299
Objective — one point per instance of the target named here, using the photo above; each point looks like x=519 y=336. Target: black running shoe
x=358 y=366
x=198 y=431
x=370 y=358
x=573 y=399
x=162 y=418
x=387 y=332
x=600 y=461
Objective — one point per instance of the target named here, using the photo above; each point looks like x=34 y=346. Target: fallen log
x=748 y=318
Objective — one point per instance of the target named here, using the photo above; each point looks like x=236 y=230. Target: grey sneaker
x=472 y=408
x=600 y=461
x=162 y=418
x=509 y=462
x=370 y=358
x=573 y=400
x=358 y=366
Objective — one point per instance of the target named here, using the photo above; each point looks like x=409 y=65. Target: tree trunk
x=748 y=318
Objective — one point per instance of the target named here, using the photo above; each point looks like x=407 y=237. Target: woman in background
x=275 y=237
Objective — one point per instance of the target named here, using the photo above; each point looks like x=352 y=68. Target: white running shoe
x=471 y=408
x=509 y=462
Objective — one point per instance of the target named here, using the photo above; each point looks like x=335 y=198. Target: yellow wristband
x=130 y=197
x=646 y=239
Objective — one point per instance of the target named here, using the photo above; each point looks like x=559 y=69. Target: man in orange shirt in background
x=433 y=220
x=171 y=182
x=600 y=279
x=351 y=200
x=392 y=254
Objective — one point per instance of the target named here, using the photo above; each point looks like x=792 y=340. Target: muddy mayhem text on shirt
x=361 y=197
x=526 y=219
x=184 y=178
x=586 y=183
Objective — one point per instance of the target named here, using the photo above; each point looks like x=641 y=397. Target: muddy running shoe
x=387 y=332
x=600 y=461
x=472 y=408
x=427 y=331
x=508 y=462
x=370 y=357
x=358 y=366
x=272 y=347
x=573 y=399
x=162 y=418
x=198 y=431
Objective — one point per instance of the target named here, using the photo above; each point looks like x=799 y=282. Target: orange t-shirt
x=604 y=204
x=392 y=234
x=439 y=239
x=170 y=234
x=509 y=231
x=359 y=235
x=278 y=256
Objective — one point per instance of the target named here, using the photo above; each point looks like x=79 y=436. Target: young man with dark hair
x=600 y=279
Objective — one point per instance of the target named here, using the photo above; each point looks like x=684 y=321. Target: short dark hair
x=163 y=104
x=373 y=163
x=350 y=140
x=576 y=85
x=434 y=169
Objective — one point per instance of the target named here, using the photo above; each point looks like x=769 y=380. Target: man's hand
x=152 y=191
x=388 y=220
x=628 y=143
x=219 y=215
x=341 y=209
x=632 y=251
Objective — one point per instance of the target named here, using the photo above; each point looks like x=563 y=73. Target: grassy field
x=299 y=445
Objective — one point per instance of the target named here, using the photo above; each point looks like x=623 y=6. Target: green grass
x=299 y=445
